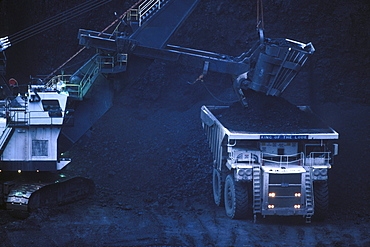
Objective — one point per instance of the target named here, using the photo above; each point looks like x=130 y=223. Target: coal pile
x=269 y=114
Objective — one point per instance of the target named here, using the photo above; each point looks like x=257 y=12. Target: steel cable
x=53 y=18
x=260 y=21
x=216 y=98
x=56 y=21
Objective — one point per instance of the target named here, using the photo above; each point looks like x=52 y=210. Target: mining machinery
x=47 y=120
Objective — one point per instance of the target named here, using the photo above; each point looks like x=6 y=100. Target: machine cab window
x=53 y=107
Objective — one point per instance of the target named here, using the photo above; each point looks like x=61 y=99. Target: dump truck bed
x=270 y=118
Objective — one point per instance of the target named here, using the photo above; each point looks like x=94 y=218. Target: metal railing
x=88 y=79
x=318 y=159
x=250 y=160
x=111 y=63
x=145 y=10
x=132 y=15
x=22 y=118
x=78 y=84
x=73 y=89
x=105 y=62
x=58 y=79
x=282 y=160
x=74 y=85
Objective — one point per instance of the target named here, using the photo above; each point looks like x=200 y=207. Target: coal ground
x=148 y=155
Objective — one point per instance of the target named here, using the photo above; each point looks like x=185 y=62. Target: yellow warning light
x=271 y=206
x=272 y=194
x=19 y=171
x=297 y=194
x=297 y=206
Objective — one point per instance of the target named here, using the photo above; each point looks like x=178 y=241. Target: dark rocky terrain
x=148 y=155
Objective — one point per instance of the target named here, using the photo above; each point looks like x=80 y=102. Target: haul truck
x=268 y=173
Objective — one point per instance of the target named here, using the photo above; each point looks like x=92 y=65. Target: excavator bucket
x=278 y=63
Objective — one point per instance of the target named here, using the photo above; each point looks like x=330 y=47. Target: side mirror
x=335 y=149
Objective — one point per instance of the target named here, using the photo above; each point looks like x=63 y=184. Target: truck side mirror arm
x=335 y=149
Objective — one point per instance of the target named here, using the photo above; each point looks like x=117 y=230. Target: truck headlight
x=316 y=172
x=244 y=172
x=241 y=172
x=323 y=172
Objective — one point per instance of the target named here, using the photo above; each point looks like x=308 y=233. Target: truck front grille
x=284 y=190
x=285 y=178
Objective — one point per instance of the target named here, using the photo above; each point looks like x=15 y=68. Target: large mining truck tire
x=236 y=198
x=218 y=190
x=321 y=199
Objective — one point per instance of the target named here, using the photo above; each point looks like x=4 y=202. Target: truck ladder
x=309 y=196
x=256 y=190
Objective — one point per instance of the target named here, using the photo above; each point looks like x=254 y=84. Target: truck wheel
x=236 y=198
x=218 y=193
x=321 y=192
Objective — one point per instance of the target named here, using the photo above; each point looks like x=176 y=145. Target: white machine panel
x=279 y=148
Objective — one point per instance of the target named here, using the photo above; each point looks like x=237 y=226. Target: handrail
x=86 y=80
x=27 y=118
x=286 y=160
x=318 y=158
x=58 y=78
x=145 y=7
x=148 y=4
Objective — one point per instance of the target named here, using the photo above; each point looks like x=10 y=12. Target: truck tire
x=236 y=198
x=218 y=190
x=321 y=193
